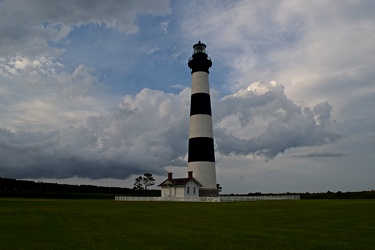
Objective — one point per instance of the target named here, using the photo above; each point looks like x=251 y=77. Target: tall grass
x=103 y=224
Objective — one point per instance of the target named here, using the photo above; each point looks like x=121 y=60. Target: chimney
x=170 y=176
x=190 y=174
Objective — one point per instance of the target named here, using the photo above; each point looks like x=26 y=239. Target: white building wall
x=191 y=186
x=191 y=189
x=180 y=191
x=168 y=192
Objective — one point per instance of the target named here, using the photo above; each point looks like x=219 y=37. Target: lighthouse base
x=208 y=192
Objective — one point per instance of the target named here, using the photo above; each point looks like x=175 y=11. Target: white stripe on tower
x=201 y=155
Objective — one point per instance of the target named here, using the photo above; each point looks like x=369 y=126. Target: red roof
x=177 y=182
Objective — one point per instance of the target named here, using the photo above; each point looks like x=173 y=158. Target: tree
x=148 y=180
x=138 y=183
x=142 y=182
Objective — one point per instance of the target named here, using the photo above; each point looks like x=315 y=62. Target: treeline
x=23 y=188
x=340 y=195
x=327 y=195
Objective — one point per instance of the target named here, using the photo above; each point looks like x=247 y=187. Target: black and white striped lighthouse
x=201 y=154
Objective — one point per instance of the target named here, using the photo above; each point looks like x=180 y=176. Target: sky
x=98 y=92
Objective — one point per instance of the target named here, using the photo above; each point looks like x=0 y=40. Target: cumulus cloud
x=149 y=131
x=285 y=124
x=37 y=93
x=143 y=133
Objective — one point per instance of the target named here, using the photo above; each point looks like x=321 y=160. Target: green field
x=104 y=224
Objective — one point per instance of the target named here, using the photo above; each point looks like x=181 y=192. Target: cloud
x=143 y=133
x=65 y=65
x=285 y=125
x=15 y=66
x=41 y=21
x=164 y=26
x=300 y=45
x=319 y=51
x=37 y=93
x=320 y=154
x=149 y=131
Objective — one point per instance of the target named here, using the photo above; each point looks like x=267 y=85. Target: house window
x=188 y=190
x=194 y=190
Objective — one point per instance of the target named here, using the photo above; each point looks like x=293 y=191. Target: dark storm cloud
x=63 y=154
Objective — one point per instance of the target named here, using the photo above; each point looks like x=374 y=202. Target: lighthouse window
x=199 y=49
x=194 y=190
x=188 y=190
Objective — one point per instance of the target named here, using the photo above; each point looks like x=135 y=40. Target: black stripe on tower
x=200 y=62
x=200 y=104
x=201 y=149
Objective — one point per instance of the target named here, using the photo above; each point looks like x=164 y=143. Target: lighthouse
x=201 y=154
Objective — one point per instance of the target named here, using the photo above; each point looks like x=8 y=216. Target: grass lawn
x=105 y=224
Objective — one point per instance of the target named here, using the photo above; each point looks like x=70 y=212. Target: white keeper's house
x=180 y=187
